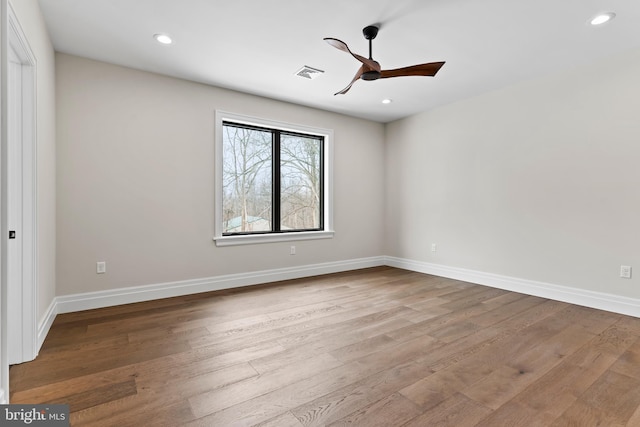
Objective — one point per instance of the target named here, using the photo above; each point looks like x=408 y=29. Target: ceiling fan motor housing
x=370 y=75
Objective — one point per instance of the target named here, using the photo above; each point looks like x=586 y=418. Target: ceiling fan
x=371 y=70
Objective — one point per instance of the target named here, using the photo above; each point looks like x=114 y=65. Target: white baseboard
x=45 y=323
x=599 y=300
x=91 y=300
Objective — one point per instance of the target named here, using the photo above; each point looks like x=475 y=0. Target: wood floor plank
x=373 y=347
x=56 y=391
x=327 y=344
x=152 y=392
x=506 y=382
x=393 y=410
x=500 y=312
x=364 y=347
x=285 y=420
x=271 y=404
x=629 y=362
x=515 y=414
x=613 y=394
x=213 y=400
x=491 y=347
x=635 y=418
x=34 y=375
x=355 y=397
x=458 y=411
x=97 y=396
x=561 y=386
x=111 y=414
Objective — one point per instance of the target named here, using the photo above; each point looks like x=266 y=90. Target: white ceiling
x=256 y=46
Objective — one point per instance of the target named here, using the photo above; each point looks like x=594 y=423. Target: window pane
x=247 y=180
x=300 y=179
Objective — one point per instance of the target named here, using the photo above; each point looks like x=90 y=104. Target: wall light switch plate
x=101 y=267
x=625 y=271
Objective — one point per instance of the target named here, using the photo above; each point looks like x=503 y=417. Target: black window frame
x=276 y=198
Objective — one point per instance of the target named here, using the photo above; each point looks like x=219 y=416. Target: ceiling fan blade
x=357 y=76
x=428 y=70
x=339 y=44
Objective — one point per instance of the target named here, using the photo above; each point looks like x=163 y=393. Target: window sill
x=271 y=238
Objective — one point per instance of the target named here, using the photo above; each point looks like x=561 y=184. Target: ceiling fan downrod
x=370 y=32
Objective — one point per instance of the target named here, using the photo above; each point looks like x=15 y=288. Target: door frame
x=21 y=290
x=4 y=364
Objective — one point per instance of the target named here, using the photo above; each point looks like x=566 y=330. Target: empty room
x=282 y=213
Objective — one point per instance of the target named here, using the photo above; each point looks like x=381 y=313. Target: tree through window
x=272 y=180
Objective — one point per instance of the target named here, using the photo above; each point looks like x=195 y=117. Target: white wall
x=32 y=23
x=538 y=181
x=135 y=180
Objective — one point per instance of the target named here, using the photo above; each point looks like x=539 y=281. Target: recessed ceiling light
x=602 y=18
x=387 y=101
x=163 y=38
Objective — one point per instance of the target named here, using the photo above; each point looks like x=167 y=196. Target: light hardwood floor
x=376 y=347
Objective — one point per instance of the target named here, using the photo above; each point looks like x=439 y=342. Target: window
x=272 y=181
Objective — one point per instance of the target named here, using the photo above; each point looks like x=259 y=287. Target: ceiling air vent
x=308 y=72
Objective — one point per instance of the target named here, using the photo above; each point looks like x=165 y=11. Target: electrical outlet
x=101 y=267
x=434 y=247
x=625 y=271
x=292 y=251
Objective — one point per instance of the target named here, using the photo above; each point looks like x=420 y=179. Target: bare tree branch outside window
x=247 y=179
x=249 y=197
x=299 y=182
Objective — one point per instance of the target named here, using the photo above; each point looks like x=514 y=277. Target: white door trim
x=21 y=286
x=4 y=364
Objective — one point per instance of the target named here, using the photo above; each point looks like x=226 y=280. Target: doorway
x=19 y=196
